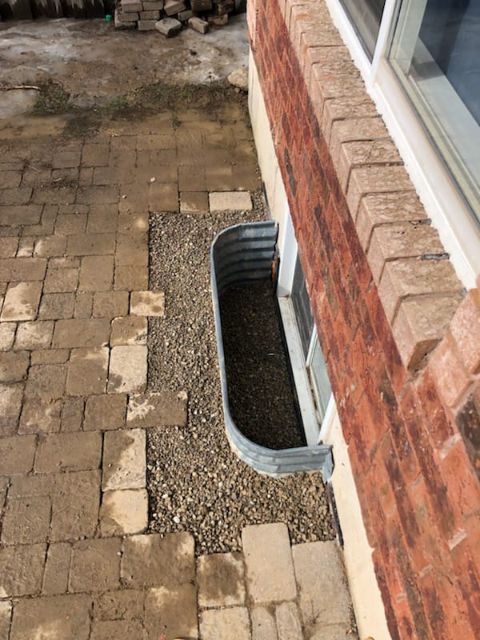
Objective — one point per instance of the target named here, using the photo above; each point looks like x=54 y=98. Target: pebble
x=193 y=470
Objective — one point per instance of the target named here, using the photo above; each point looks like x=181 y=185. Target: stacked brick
x=170 y=16
x=401 y=338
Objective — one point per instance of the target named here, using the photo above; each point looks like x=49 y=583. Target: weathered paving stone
x=128 y=369
x=71 y=451
x=172 y=612
x=96 y=273
x=46 y=381
x=10 y=406
x=263 y=624
x=118 y=629
x=66 y=617
x=194 y=201
x=13 y=365
x=91 y=244
x=26 y=486
x=49 y=356
x=218 y=624
x=153 y=561
x=324 y=598
x=268 y=559
x=124 y=512
x=50 y=247
x=220 y=580
x=83 y=304
x=71 y=224
x=288 y=622
x=57 y=568
x=40 y=416
x=132 y=249
x=21 y=301
x=120 y=605
x=16 y=455
x=34 y=335
x=21 y=569
x=7 y=334
x=110 y=304
x=157 y=409
x=61 y=280
x=5 y=618
x=230 y=201
x=8 y=247
x=72 y=414
x=95 y=155
x=76 y=502
x=81 y=333
x=147 y=303
x=105 y=412
x=22 y=269
x=130 y=277
x=124 y=460
x=87 y=371
x=95 y=565
x=98 y=195
x=130 y=330
x=20 y=214
x=26 y=520
x=56 y=306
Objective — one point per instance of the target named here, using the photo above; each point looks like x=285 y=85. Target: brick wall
x=400 y=335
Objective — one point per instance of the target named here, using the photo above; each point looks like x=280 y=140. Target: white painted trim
x=288 y=255
x=300 y=375
x=444 y=204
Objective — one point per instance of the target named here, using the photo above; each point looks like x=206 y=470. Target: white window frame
x=315 y=427
x=440 y=194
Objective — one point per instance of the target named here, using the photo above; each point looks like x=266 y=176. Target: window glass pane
x=366 y=16
x=301 y=306
x=436 y=54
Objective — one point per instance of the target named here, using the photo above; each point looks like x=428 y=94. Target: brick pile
x=169 y=17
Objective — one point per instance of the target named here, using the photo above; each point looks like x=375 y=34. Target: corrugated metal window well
x=262 y=418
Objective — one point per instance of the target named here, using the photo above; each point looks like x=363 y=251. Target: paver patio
x=75 y=562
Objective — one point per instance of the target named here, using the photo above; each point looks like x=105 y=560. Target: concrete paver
x=75 y=563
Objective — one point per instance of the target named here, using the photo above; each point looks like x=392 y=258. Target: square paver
x=124 y=460
x=73 y=333
x=172 y=612
x=218 y=624
x=26 y=520
x=105 y=412
x=76 y=502
x=87 y=371
x=147 y=303
x=67 y=615
x=129 y=330
x=124 y=512
x=95 y=565
x=21 y=569
x=268 y=559
x=156 y=561
x=34 y=335
x=96 y=273
x=110 y=304
x=40 y=416
x=221 y=580
x=21 y=301
x=16 y=455
x=69 y=451
x=13 y=365
x=157 y=409
x=46 y=381
x=230 y=201
x=128 y=369
x=56 y=306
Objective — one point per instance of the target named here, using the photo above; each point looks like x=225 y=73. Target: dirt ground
x=94 y=64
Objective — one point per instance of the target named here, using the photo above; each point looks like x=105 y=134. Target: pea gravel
x=195 y=482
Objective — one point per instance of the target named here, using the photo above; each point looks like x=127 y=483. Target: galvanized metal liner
x=241 y=254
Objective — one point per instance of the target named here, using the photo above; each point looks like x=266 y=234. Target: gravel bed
x=195 y=482
x=261 y=394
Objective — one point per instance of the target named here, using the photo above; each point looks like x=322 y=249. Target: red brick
x=465 y=329
x=448 y=372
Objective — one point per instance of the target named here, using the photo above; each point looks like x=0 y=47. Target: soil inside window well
x=261 y=392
